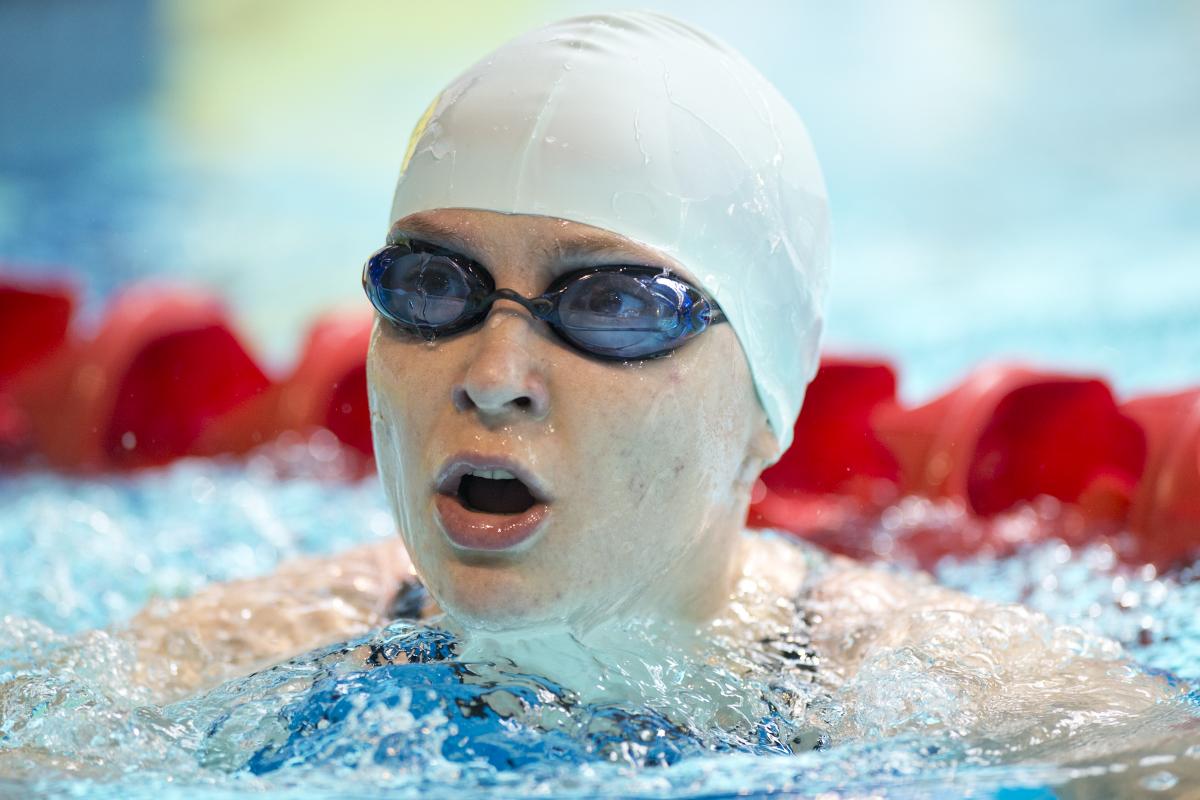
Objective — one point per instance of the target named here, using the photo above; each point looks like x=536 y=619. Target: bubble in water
x=1159 y=781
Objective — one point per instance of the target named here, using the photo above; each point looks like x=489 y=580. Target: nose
x=503 y=378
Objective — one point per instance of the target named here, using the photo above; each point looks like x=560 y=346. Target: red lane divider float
x=1166 y=510
x=838 y=475
x=1008 y=434
x=839 y=451
x=34 y=317
x=1002 y=438
x=327 y=389
x=167 y=376
x=164 y=365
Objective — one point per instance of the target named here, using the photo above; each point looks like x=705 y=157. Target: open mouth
x=494 y=492
x=489 y=506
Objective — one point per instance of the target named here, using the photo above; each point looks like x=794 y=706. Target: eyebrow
x=582 y=249
x=432 y=232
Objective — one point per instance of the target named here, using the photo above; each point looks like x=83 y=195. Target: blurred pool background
x=1008 y=179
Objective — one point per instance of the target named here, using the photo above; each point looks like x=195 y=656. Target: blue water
x=1034 y=196
x=399 y=712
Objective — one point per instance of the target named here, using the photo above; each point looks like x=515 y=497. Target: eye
x=625 y=314
x=420 y=290
x=615 y=303
x=615 y=300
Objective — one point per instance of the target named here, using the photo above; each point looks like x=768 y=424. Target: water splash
x=415 y=709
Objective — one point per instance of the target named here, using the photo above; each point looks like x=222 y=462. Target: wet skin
x=629 y=534
x=649 y=463
x=649 y=467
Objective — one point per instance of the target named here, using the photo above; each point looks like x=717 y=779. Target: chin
x=495 y=597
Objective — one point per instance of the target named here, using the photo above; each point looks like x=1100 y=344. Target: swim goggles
x=610 y=312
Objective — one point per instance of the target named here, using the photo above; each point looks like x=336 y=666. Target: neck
x=658 y=661
x=612 y=662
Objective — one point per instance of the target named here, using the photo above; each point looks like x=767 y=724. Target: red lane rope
x=166 y=376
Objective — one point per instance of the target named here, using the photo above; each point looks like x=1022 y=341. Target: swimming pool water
x=402 y=712
x=1064 y=231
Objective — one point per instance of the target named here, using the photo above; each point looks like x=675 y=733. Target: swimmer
x=598 y=306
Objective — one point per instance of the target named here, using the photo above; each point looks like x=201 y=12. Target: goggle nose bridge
x=541 y=308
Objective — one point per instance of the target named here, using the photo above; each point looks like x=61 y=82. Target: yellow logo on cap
x=418 y=131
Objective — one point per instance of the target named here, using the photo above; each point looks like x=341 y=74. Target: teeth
x=493 y=474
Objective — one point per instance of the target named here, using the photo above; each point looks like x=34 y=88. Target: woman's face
x=644 y=467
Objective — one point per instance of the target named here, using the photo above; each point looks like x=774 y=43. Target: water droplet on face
x=551 y=140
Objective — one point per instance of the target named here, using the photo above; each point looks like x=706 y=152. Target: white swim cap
x=645 y=126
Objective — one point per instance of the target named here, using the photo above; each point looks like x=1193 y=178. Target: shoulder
x=876 y=627
x=226 y=629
